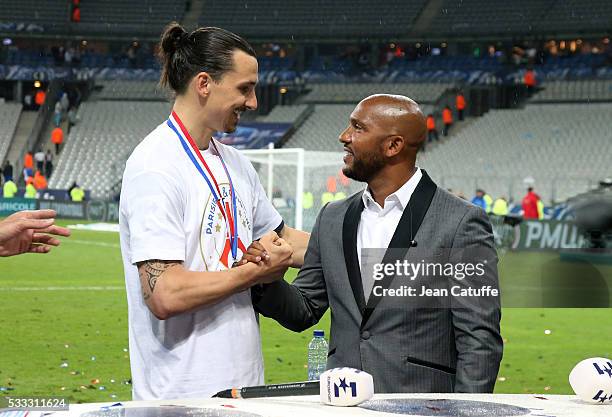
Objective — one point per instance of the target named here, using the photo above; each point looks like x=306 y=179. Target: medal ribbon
x=193 y=152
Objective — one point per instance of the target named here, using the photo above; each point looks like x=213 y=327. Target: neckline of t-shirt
x=208 y=151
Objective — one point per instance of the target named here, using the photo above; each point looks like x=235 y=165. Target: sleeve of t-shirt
x=155 y=217
x=265 y=216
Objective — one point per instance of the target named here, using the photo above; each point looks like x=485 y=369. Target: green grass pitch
x=63 y=328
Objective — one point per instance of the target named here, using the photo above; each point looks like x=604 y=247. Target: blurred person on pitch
x=500 y=207
x=530 y=205
x=190 y=206
x=30 y=232
x=9 y=189
x=404 y=347
x=77 y=194
x=30 y=189
x=483 y=200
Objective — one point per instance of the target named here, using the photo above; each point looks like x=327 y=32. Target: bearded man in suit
x=407 y=345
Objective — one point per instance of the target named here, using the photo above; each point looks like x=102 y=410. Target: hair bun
x=173 y=38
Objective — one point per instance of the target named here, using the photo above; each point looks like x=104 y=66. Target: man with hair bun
x=190 y=206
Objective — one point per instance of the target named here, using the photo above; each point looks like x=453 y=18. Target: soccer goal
x=300 y=182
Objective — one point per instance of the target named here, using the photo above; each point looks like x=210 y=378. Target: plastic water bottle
x=317 y=355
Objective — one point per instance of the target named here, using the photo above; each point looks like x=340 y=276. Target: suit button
x=365 y=335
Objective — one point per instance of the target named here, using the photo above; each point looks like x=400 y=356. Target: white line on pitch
x=91 y=242
x=88 y=288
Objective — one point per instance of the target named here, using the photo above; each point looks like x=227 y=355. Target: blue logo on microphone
x=605 y=369
x=602 y=398
x=343 y=385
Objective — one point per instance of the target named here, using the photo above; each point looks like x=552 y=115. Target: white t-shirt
x=167 y=212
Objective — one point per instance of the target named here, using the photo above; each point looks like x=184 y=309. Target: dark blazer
x=405 y=346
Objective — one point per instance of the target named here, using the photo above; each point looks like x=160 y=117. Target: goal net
x=300 y=182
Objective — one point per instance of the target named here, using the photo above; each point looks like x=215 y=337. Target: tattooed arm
x=149 y=272
x=169 y=289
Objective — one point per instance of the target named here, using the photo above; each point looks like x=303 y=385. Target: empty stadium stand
x=9 y=116
x=481 y=17
x=304 y=18
x=563 y=147
x=490 y=16
x=340 y=19
x=97 y=148
x=48 y=13
x=131 y=90
x=343 y=18
x=116 y=17
x=144 y=16
x=353 y=93
x=321 y=130
x=284 y=114
x=577 y=15
x=572 y=91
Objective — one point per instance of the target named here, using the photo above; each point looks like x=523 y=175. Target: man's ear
x=394 y=145
x=202 y=83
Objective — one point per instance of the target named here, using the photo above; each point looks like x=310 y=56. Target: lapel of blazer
x=414 y=213
x=349 y=243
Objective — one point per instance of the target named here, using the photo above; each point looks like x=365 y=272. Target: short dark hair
x=208 y=49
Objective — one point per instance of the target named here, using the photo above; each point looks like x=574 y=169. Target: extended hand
x=29 y=232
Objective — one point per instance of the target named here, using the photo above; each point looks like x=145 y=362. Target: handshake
x=272 y=255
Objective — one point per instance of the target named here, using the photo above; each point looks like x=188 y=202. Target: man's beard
x=231 y=124
x=230 y=129
x=363 y=170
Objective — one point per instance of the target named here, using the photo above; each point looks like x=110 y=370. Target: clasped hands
x=272 y=255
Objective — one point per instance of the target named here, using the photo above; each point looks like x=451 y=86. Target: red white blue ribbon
x=194 y=154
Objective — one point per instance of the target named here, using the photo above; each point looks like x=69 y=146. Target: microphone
x=346 y=387
x=413 y=242
x=591 y=380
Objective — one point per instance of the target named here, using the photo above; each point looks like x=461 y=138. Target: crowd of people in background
x=38 y=165
x=44 y=166
x=531 y=204
x=337 y=187
x=35 y=186
x=35 y=181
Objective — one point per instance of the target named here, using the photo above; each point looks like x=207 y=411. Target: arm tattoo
x=151 y=270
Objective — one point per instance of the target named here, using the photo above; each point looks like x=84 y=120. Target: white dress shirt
x=377 y=224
